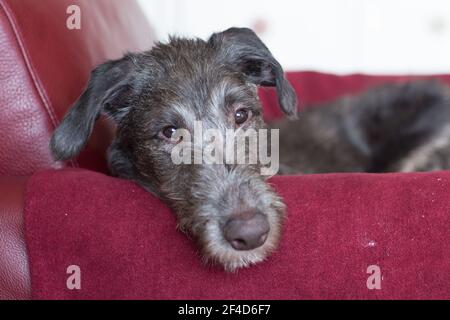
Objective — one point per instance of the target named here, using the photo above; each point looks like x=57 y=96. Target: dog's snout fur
x=233 y=202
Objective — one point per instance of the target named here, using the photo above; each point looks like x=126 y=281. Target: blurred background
x=339 y=36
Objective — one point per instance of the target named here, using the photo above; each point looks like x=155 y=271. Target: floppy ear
x=108 y=90
x=243 y=50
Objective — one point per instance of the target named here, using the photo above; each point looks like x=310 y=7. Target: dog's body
x=390 y=128
x=230 y=208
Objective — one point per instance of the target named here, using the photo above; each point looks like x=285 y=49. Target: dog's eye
x=168 y=132
x=241 y=116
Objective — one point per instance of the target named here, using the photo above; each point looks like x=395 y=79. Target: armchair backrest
x=44 y=67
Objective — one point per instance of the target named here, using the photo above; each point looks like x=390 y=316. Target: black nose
x=247 y=231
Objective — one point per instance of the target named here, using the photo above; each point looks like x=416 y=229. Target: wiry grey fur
x=185 y=80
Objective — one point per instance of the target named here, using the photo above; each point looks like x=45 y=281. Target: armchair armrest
x=14 y=273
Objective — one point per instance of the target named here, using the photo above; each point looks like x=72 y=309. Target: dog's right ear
x=109 y=90
x=242 y=49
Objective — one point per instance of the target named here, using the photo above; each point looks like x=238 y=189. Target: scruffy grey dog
x=231 y=210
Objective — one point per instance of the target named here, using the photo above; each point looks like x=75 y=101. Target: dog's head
x=229 y=208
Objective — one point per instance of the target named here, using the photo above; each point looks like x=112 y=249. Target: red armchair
x=337 y=224
x=43 y=68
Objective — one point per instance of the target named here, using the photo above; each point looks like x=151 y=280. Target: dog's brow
x=218 y=95
x=184 y=113
x=226 y=94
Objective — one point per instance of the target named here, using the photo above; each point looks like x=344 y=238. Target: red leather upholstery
x=14 y=274
x=44 y=67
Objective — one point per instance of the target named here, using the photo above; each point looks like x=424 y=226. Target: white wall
x=374 y=36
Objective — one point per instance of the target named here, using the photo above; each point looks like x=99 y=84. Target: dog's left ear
x=110 y=91
x=242 y=49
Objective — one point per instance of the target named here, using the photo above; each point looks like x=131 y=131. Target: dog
x=230 y=209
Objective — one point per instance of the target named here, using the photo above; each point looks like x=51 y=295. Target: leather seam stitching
x=31 y=70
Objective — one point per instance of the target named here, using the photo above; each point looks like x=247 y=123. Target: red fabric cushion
x=126 y=244
x=44 y=67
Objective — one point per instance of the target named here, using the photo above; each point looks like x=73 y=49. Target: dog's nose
x=248 y=231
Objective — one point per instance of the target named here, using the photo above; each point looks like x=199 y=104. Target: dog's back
x=395 y=127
